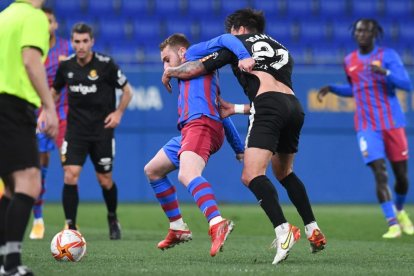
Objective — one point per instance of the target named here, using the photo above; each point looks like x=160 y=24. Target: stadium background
x=317 y=34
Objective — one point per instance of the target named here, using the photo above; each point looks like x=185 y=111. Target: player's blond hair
x=175 y=40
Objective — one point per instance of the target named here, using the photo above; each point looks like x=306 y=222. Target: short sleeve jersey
x=270 y=56
x=22 y=26
x=91 y=94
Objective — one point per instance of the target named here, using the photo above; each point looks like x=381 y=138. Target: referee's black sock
x=17 y=217
x=70 y=201
x=4 y=204
x=268 y=199
x=297 y=194
x=111 y=200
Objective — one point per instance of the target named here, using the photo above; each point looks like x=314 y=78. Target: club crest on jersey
x=93 y=75
x=70 y=75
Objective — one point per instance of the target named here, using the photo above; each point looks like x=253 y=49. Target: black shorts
x=102 y=152
x=18 y=143
x=275 y=123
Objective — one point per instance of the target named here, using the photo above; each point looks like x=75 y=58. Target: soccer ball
x=68 y=245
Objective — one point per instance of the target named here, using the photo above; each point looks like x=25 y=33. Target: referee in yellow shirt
x=24 y=43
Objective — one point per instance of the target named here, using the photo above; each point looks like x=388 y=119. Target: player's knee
x=70 y=177
x=381 y=178
x=105 y=180
x=182 y=178
x=185 y=177
x=27 y=182
x=150 y=172
x=282 y=172
x=246 y=178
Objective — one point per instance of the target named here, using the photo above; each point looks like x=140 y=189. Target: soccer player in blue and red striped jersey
x=202 y=134
x=374 y=73
x=59 y=49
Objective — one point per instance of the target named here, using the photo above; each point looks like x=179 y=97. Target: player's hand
x=247 y=64
x=166 y=80
x=113 y=119
x=47 y=122
x=240 y=157
x=322 y=93
x=378 y=69
x=226 y=109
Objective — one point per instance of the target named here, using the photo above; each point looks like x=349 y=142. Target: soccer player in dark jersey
x=374 y=73
x=24 y=43
x=92 y=80
x=167 y=159
x=276 y=118
x=59 y=49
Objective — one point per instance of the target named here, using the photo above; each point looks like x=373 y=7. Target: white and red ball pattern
x=68 y=245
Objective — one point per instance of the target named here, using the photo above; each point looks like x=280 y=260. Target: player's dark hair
x=82 y=28
x=253 y=20
x=48 y=10
x=376 y=27
x=174 y=40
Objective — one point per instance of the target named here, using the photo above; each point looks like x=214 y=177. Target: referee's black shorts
x=275 y=123
x=18 y=144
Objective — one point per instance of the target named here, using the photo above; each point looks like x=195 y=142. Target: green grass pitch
x=355 y=246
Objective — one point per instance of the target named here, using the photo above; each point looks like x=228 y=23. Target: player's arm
x=199 y=67
x=125 y=98
x=232 y=43
x=228 y=41
x=233 y=138
x=394 y=70
x=34 y=45
x=32 y=60
x=227 y=109
x=119 y=81
x=114 y=118
x=343 y=90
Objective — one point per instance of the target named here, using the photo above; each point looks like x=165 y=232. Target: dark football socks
x=17 y=217
x=297 y=194
x=111 y=199
x=268 y=199
x=4 y=204
x=70 y=200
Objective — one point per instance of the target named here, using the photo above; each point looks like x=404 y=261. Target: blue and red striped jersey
x=198 y=97
x=61 y=49
x=377 y=105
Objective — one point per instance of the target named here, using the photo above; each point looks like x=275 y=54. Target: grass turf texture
x=355 y=246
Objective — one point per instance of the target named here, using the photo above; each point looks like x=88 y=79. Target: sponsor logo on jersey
x=102 y=58
x=83 y=89
x=93 y=75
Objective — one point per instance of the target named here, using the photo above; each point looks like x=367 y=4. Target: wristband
x=239 y=108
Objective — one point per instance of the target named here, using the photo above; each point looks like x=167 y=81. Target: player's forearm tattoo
x=187 y=70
